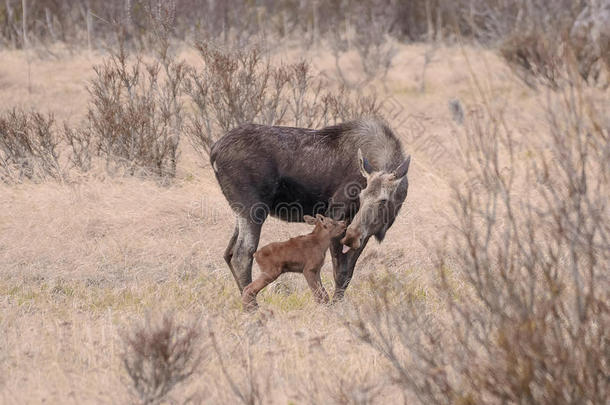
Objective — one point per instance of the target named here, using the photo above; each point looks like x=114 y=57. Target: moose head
x=380 y=201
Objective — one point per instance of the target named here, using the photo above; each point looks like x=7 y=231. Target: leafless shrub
x=428 y=59
x=367 y=31
x=304 y=97
x=324 y=385
x=374 y=48
x=158 y=356
x=248 y=388
x=313 y=103
x=534 y=58
x=487 y=21
x=530 y=246
x=344 y=105
x=80 y=143
x=241 y=86
x=360 y=24
x=134 y=118
x=590 y=41
x=28 y=147
x=400 y=324
x=345 y=390
x=541 y=50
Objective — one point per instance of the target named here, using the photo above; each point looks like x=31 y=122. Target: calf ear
x=309 y=220
x=320 y=217
x=365 y=167
x=401 y=171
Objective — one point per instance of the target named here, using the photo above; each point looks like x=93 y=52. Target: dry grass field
x=82 y=262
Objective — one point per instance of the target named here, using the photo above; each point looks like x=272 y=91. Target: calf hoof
x=323 y=300
x=250 y=307
x=249 y=304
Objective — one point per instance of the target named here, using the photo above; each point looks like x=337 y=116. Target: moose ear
x=365 y=167
x=320 y=217
x=309 y=220
x=401 y=171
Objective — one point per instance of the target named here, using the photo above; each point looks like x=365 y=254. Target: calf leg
x=248 y=296
x=245 y=246
x=315 y=283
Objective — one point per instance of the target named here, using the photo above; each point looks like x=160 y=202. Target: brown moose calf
x=303 y=254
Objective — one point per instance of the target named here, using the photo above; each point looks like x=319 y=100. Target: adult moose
x=355 y=171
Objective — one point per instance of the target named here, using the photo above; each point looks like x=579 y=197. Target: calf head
x=326 y=224
x=379 y=203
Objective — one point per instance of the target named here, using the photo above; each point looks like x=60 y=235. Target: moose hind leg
x=245 y=246
x=229 y=250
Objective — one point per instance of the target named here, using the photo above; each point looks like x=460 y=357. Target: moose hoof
x=337 y=297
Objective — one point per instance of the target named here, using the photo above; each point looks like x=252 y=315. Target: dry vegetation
x=491 y=287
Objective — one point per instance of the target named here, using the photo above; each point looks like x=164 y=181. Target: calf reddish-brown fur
x=303 y=254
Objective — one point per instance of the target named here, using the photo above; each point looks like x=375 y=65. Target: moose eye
x=383 y=202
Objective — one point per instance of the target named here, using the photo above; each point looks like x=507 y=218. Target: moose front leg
x=343 y=266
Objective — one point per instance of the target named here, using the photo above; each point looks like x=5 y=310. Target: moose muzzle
x=351 y=240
